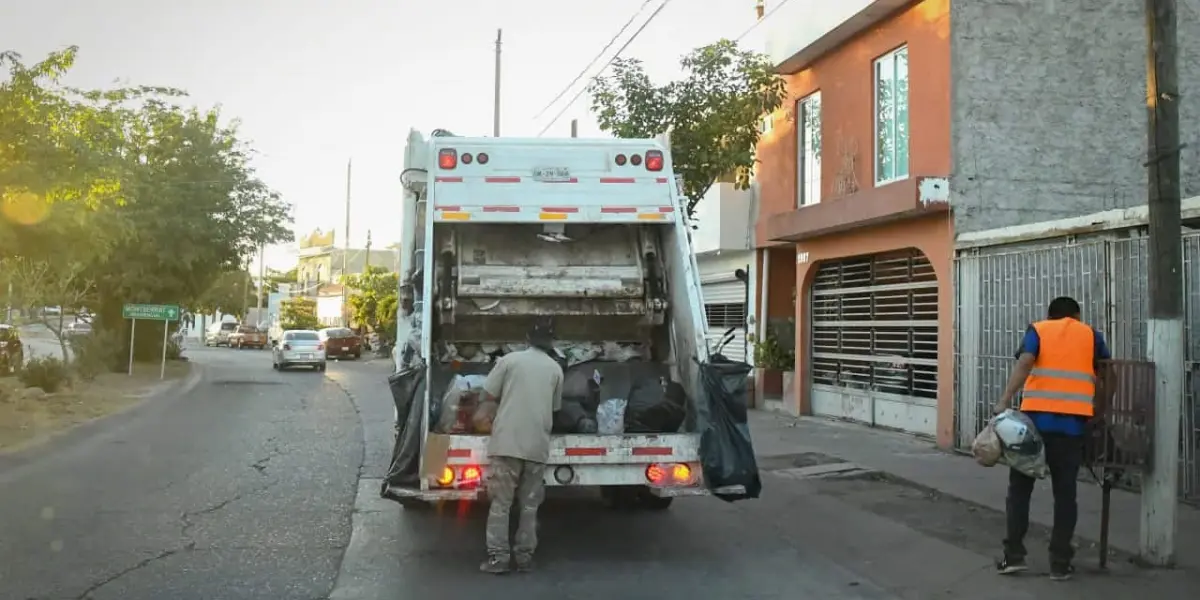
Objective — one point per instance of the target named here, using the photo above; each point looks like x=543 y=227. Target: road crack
x=87 y=593
x=260 y=465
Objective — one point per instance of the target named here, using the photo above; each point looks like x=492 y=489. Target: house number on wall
x=801 y=258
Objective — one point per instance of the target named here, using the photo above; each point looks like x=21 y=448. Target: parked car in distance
x=77 y=329
x=341 y=342
x=248 y=336
x=218 y=333
x=12 y=351
x=299 y=347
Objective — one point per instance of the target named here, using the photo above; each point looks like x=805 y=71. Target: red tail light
x=468 y=476
x=447 y=158
x=670 y=474
x=320 y=346
x=481 y=158
x=654 y=160
x=620 y=160
x=287 y=346
x=466 y=158
x=635 y=160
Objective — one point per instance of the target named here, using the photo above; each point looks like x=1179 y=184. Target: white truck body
x=487 y=243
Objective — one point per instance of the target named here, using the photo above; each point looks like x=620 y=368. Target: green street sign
x=151 y=312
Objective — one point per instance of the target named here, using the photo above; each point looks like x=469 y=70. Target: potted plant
x=775 y=364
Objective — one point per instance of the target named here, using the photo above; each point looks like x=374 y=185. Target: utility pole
x=367 y=263
x=1164 y=329
x=496 y=105
x=346 y=244
x=574 y=128
x=262 y=276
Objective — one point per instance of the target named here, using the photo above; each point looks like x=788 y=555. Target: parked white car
x=298 y=347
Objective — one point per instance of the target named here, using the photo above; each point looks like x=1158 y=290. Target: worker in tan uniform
x=528 y=385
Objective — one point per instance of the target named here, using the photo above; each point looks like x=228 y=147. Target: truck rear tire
x=649 y=501
x=621 y=498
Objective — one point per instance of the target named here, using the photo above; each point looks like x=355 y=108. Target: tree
x=154 y=201
x=374 y=303
x=271 y=280
x=62 y=147
x=229 y=294
x=40 y=283
x=298 y=313
x=713 y=113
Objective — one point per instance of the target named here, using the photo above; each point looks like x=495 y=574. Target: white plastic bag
x=1023 y=446
x=987 y=448
x=610 y=416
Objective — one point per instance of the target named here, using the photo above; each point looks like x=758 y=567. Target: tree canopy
x=123 y=195
x=374 y=302
x=713 y=113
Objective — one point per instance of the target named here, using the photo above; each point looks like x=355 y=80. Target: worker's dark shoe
x=1061 y=572
x=1011 y=566
x=496 y=565
x=524 y=564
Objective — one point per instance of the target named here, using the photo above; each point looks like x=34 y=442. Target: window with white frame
x=808 y=150
x=891 y=116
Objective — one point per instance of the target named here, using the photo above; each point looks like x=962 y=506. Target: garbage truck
x=499 y=232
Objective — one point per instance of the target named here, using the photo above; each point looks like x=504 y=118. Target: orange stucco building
x=854 y=230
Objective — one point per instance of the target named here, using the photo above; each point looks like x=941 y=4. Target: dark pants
x=1064 y=454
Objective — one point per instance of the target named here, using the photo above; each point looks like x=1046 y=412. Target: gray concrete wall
x=1049 y=117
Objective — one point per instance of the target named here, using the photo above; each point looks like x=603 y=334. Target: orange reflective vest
x=1063 y=379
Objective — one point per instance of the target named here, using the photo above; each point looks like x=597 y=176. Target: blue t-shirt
x=1054 y=422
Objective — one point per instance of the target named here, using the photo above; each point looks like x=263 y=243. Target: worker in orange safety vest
x=1056 y=374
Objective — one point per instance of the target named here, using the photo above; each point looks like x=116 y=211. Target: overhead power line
x=597 y=58
x=629 y=41
x=582 y=90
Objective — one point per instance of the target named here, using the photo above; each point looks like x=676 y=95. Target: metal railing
x=1000 y=290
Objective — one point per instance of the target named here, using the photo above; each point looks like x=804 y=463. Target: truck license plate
x=552 y=174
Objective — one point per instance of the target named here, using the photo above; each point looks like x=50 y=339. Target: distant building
x=321 y=262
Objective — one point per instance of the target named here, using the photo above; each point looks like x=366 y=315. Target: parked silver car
x=298 y=347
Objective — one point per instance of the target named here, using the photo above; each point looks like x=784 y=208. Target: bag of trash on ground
x=726 y=452
x=610 y=416
x=987 y=448
x=1023 y=449
x=459 y=404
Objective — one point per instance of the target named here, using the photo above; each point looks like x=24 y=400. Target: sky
x=317 y=83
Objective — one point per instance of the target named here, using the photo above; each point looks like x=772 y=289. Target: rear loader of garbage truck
x=499 y=232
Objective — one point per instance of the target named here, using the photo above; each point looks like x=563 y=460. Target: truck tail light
x=287 y=346
x=669 y=474
x=447 y=158
x=620 y=160
x=320 y=346
x=654 y=160
x=481 y=158
x=468 y=476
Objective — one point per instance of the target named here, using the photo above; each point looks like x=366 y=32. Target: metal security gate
x=725 y=307
x=874 y=331
x=1001 y=289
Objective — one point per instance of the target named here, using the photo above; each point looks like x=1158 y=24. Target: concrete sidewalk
x=919 y=462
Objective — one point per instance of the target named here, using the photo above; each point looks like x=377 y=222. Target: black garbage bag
x=655 y=409
x=574 y=418
x=726 y=451
x=408 y=387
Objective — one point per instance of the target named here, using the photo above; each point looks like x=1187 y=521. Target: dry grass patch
x=27 y=417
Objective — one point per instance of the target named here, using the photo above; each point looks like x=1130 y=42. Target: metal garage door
x=725 y=307
x=874 y=341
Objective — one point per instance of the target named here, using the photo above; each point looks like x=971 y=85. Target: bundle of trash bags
x=1010 y=438
x=598 y=397
x=464 y=408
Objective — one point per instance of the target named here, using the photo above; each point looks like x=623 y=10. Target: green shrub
x=96 y=353
x=45 y=372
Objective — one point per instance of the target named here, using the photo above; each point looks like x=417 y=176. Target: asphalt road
x=241 y=488
x=264 y=485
